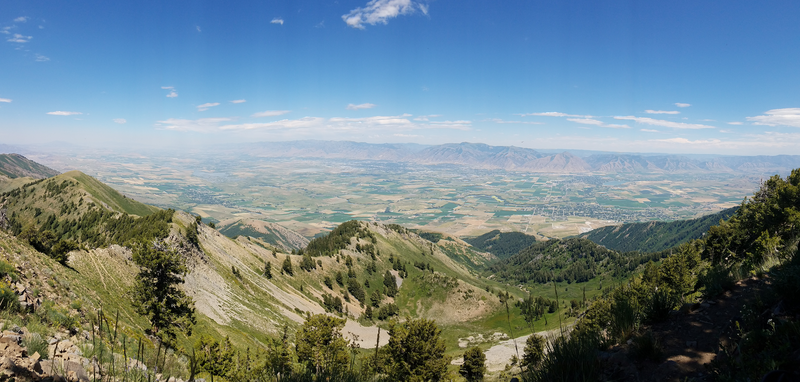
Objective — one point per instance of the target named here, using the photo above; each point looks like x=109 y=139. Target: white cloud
x=586 y=121
x=198 y=28
x=270 y=113
x=554 y=114
x=120 y=120
x=19 y=38
x=238 y=101
x=424 y=118
x=6 y=30
x=678 y=104
x=502 y=121
x=64 y=113
x=735 y=123
x=305 y=122
x=380 y=11
x=595 y=122
x=6 y=100
x=41 y=58
x=360 y=106
x=778 y=117
x=200 y=125
x=21 y=19
x=456 y=125
x=206 y=106
x=172 y=92
x=407 y=135
x=661 y=112
x=650 y=131
x=277 y=20
x=663 y=123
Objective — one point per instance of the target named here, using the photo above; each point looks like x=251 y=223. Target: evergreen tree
x=156 y=293
x=416 y=351
x=390 y=284
x=533 y=354
x=214 y=357
x=268 y=270
x=287 y=266
x=321 y=346
x=474 y=365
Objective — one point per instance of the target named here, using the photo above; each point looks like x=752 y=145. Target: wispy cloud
x=502 y=121
x=778 y=117
x=650 y=131
x=406 y=135
x=41 y=58
x=202 y=125
x=21 y=19
x=305 y=122
x=380 y=11
x=206 y=106
x=360 y=106
x=277 y=20
x=684 y=141
x=120 y=120
x=735 y=123
x=424 y=118
x=7 y=30
x=662 y=112
x=172 y=92
x=239 y=101
x=64 y=113
x=554 y=114
x=19 y=38
x=678 y=104
x=663 y=123
x=595 y=122
x=198 y=28
x=270 y=113
x=6 y=100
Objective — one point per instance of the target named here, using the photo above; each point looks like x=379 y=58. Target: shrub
x=569 y=358
x=474 y=365
x=534 y=351
x=715 y=280
x=8 y=299
x=36 y=344
x=646 y=347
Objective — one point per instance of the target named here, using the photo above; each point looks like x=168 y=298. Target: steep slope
x=16 y=166
x=270 y=233
x=655 y=236
x=501 y=244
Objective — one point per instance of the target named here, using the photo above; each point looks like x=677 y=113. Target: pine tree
x=474 y=365
x=287 y=266
x=416 y=351
x=156 y=293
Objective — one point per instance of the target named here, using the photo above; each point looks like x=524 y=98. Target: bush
x=534 y=351
x=8 y=299
x=715 y=280
x=387 y=311
x=569 y=358
x=474 y=365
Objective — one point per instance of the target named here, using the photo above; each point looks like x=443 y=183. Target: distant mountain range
x=511 y=158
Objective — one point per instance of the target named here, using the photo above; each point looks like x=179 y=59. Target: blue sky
x=643 y=76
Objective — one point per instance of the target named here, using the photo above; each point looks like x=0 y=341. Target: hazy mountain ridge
x=16 y=166
x=512 y=158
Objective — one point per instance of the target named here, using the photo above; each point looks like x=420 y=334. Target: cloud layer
x=206 y=106
x=270 y=113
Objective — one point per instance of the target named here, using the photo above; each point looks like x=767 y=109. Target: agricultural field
x=312 y=196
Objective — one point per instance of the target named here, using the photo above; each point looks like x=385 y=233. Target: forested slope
x=501 y=244
x=655 y=236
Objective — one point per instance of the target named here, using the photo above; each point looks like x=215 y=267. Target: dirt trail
x=689 y=339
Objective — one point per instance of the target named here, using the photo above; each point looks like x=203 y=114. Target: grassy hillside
x=502 y=244
x=15 y=166
x=108 y=196
x=655 y=236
